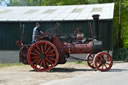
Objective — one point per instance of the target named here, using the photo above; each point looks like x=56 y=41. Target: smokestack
x=96 y=26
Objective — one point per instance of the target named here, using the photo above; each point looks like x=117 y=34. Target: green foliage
x=50 y=2
x=26 y=2
x=63 y=2
x=18 y=3
x=106 y=1
x=120 y=54
x=81 y=62
x=125 y=3
x=116 y=24
x=125 y=23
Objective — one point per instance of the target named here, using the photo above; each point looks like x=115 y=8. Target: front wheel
x=103 y=61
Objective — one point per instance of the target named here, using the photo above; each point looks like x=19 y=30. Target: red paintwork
x=90 y=58
x=100 y=58
x=49 y=52
x=33 y=54
x=72 y=48
x=59 y=45
x=78 y=48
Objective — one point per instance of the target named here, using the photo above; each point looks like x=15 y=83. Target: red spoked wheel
x=103 y=61
x=90 y=62
x=43 y=56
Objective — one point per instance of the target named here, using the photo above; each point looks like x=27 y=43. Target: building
x=70 y=17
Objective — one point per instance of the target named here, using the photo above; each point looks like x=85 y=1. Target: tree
x=120 y=25
x=125 y=23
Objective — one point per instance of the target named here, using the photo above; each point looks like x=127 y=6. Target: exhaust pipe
x=96 y=26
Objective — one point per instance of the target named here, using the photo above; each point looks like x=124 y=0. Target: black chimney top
x=96 y=26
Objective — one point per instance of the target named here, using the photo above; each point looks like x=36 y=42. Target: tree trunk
x=120 y=27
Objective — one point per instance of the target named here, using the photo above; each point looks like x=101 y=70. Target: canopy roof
x=56 y=13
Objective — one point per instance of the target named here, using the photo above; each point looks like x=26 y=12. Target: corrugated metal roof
x=56 y=13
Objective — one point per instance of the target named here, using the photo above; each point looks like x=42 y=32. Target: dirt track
x=25 y=75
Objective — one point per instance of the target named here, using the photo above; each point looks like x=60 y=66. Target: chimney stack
x=96 y=26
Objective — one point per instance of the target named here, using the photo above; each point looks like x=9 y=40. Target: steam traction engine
x=51 y=50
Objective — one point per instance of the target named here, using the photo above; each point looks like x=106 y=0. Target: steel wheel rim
x=43 y=56
x=103 y=61
x=90 y=61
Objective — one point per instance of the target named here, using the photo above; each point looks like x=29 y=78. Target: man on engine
x=36 y=32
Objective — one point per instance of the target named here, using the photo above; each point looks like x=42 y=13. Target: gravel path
x=25 y=75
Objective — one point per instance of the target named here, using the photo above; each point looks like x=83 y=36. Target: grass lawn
x=3 y=65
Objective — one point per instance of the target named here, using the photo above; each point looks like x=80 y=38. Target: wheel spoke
x=101 y=57
x=47 y=64
x=39 y=62
x=102 y=67
x=40 y=65
x=42 y=49
x=38 y=48
x=45 y=46
x=105 y=65
x=51 y=55
x=34 y=54
x=47 y=50
x=50 y=62
x=50 y=52
x=44 y=65
x=36 y=51
x=34 y=57
x=35 y=61
x=51 y=58
x=91 y=57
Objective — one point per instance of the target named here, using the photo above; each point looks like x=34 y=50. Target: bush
x=120 y=54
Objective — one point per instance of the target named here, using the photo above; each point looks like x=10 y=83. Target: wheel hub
x=103 y=61
x=42 y=56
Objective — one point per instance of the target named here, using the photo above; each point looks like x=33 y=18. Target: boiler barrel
x=91 y=47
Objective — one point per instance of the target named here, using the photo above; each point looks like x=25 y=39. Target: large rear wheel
x=43 y=56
